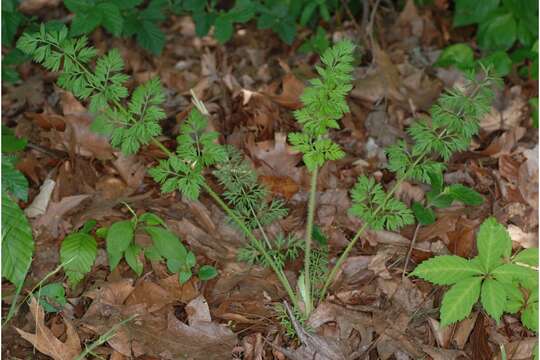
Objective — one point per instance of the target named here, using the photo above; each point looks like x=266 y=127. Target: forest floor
x=251 y=85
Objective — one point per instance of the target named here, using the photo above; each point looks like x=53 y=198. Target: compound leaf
x=445 y=270
x=493 y=243
x=493 y=298
x=528 y=257
x=457 y=303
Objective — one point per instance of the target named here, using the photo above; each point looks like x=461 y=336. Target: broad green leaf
x=529 y=316
x=436 y=181
x=465 y=195
x=514 y=298
x=111 y=17
x=77 y=253
x=114 y=259
x=151 y=219
x=152 y=254
x=150 y=37
x=440 y=201
x=527 y=256
x=17 y=242
x=499 y=61
x=119 y=237
x=85 y=22
x=184 y=276
x=459 y=55
x=132 y=258
x=493 y=242
x=457 y=303
x=13 y=181
x=498 y=32
x=472 y=12
x=10 y=142
x=223 y=28
x=425 y=216
x=507 y=273
x=207 y=272
x=52 y=297
x=174 y=265
x=191 y=260
x=166 y=243
x=445 y=270
x=493 y=298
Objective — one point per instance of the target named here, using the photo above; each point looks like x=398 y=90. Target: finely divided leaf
x=493 y=298
x=457 y=303
x=493 y=243
x=77 y=253
x=17 y=242
x=445 y=270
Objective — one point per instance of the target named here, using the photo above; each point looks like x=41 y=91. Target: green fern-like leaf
x=324 y=103
x=373 y=206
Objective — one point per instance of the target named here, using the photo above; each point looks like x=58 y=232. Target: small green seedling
x=502 y=283
x=120 y=241
x=51 y=297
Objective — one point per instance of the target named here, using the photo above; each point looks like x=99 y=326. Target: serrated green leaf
x=223 y=28
x=78 y=253
x=150 y=37
x=493 y=242
x=207 y=272
x=17 y=242
x=13 y=181
x=445 y=270
x=493 y=298
x=85 y=22
x=529 y=316
x=457 y=303
x=528 y=257
x=465 y=195
x=111 y=17
x=514 y=298
x=507 y=273
x=425 y=216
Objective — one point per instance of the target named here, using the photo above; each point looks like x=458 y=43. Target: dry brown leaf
x=290 y=96
x=505 y=143
x=30 y=6
x=47 y=121
x=54 y=217
x=44 y=340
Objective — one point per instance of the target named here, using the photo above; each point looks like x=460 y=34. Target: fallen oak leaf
x=45 y=341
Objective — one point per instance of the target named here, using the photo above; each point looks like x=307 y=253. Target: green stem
x=162 y=147
x=360 y=231
x=309 y=232
x=278 y=271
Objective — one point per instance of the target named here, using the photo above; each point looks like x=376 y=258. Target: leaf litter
x=250 y=90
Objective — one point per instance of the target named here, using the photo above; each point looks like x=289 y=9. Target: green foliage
x=317 y=43
x=454 y=121
x=502 y=284
x=197 y=149
x=246 y=197
x=17 y=239
x=324 y=104
x=130 y=126
x=282 y=17
x=121 y=244
x=372 y=204
x=500 y=25
x=121 y=18
x=12 y=20
x=283 y=249
x=78 y=253
x=51 y=297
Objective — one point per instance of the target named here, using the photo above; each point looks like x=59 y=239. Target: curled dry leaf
x=45 y=341
x=41 y=201
x=290 y=96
